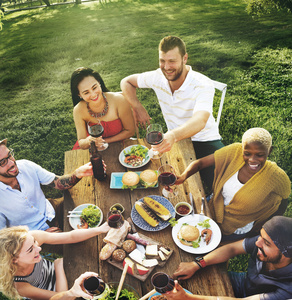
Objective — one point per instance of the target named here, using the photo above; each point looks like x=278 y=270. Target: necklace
x=98 y=114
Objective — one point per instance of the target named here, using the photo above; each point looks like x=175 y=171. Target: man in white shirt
x=22 y=201
x=185 y=98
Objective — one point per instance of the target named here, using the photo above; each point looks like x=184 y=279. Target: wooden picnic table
x=84 y=256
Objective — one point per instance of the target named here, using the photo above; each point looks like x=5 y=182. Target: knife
x=192 y=204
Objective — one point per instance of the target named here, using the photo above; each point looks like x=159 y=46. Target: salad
x=90 y=215
x=135 y=155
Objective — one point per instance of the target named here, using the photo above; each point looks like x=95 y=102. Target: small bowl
x=186 y=206
x=118 y=206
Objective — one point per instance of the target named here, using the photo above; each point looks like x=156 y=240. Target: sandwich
x=189 y=235
x=130 y=180
x=148 y=178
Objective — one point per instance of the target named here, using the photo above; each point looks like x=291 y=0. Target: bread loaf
x=107 y=251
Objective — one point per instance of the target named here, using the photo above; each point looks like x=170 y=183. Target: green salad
x=137 y=150
x=91 y=215
x=124 y=295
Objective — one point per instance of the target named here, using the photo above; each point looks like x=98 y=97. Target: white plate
x=76 y=221
x=141 y=223
x=194 y=220
x=122 y=158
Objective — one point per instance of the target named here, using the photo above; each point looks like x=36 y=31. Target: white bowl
x=180 y=204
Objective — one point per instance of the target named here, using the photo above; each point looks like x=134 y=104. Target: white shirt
x=195 y=94
x=28 y=206
x=230 y=188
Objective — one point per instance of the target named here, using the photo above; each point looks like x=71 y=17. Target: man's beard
x=8 y=175
x=177 y=74
x=272 y=260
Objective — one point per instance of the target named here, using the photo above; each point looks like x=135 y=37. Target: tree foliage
x=259 y=7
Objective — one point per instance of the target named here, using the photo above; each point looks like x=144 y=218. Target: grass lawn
x=39 y=49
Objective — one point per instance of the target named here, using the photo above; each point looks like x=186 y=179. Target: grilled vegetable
x=158 y=208
x=147 y=214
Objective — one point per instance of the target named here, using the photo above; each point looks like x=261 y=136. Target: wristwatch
x=200 y=262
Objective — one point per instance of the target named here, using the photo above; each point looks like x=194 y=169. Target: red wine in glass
x=154 y=137
x=115 y=219
x=95 y=130
x=167 y=178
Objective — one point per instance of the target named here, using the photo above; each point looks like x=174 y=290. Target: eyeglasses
x=4 y=161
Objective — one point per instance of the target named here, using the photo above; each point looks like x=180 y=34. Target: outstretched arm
x=196 y=166
x=188 y=129
x=128 y=87
x=186 y=270
x=73 y=236
x=67 y=181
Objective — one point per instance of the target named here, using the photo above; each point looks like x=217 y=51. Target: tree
x=258 y=7
x=1 y=16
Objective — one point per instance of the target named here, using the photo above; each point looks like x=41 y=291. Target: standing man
x=22 y=201
x=185 y=98
x=269 y=275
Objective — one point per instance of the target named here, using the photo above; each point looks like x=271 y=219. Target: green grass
x=39 y=49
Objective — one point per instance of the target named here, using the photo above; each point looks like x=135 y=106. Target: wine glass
x=167 y=177
x=162 y=282
x=154 y=136
x=115 y=219
x=96 y=130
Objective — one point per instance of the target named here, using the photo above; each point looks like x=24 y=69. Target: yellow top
x=259 y=198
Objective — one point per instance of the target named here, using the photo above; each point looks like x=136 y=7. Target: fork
x=202 y=208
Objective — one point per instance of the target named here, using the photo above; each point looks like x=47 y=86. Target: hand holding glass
x=162 y=282
x=154 y=136
x=115 y=219
x=96 y=130
x=167 y=177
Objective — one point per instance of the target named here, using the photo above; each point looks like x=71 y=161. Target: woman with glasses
x=94 y=104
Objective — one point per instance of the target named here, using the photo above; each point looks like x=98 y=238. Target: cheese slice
x=151 y=250
x=150 y=262
x=137 y=256
x=165 y=251
x=161 y=255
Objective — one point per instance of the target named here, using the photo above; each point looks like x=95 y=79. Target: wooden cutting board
x=161 y=263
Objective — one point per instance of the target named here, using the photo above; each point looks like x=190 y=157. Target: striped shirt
x=195 y=94
x=43 y=276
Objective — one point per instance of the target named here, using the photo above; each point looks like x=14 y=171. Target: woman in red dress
x=93 y=103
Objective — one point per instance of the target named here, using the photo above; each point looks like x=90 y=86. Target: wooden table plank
x=84 y=256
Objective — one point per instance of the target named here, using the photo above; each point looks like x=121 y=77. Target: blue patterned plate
x=139 y=221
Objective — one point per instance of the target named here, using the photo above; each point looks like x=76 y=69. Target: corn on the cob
x=146 y=214
x=158 y=208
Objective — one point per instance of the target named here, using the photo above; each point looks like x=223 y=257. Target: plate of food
x=152 y=213
x=196 y=234
x=85 y=216
x=158 y=296
x=134 y=180
x=134 y=156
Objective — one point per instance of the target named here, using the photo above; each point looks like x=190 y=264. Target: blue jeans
x=238 y=283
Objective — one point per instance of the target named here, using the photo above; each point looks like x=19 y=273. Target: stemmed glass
x=167 y=177
x=115 y=219
x=96 y=130
x=154 y=136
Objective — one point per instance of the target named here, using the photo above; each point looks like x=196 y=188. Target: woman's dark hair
x=77 y=76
